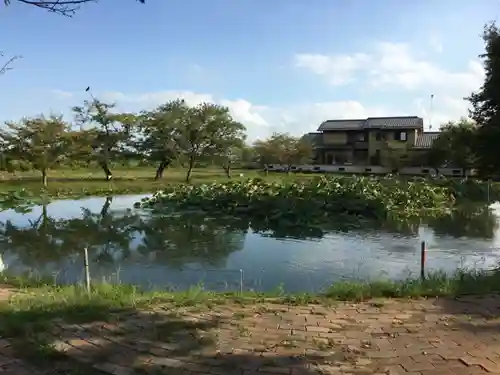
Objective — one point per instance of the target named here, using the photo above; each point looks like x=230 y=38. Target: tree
x=191 y=132
x=486 y=105
x=455 y=145
x=157 y=139
x=111 y=130
x=63 y=7
x=393 y=157
x=282 y=148
x=229 y=153
x=40 y=141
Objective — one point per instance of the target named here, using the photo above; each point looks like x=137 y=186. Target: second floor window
x=402 y=136
x=360 y=137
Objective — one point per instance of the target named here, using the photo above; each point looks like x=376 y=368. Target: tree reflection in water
x=176 y=241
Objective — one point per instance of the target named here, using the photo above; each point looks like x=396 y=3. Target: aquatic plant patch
x=307 y=201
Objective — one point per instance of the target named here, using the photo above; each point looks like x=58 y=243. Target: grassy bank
x=84 y=182
x=40 y=295
x=29 y=315
x=67 y=183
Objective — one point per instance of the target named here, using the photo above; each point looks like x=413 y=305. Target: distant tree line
x=173 y=134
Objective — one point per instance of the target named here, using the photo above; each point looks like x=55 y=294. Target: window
x=360 y=137
x=379 y=136
x=402 y=136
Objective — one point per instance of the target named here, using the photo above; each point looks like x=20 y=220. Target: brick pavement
x=421 y=337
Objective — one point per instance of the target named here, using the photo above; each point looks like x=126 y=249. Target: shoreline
x=47 y=327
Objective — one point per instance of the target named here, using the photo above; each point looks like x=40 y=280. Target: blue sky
x=281 y=65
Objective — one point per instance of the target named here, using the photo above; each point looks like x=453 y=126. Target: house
x=371 y=141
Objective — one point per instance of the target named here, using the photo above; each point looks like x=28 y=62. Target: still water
x=153 y=251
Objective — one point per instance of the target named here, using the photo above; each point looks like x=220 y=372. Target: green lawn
x=84 y=182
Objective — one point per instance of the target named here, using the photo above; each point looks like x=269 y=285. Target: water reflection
x=152 y=249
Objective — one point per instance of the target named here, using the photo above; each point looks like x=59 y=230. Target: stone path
x=423 y=337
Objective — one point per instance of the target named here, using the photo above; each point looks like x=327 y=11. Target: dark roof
x=315 y=138
x=409 y=122
x=397 y=122
x=425 y=140
x=342 y=125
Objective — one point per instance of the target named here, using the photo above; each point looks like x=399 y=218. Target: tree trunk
x=44 y=177
x=190 y=169
x=104 y=165
x=161 y=168
x=105 y=206
x=227 y=169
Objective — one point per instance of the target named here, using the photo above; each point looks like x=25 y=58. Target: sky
x=279 y=66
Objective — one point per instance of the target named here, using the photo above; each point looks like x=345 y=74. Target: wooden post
x=87 y=270
x=241 y=282
x=422 y=260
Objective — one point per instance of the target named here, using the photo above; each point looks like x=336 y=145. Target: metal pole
x=422 y=260
x=87 y=270
x=241 y=281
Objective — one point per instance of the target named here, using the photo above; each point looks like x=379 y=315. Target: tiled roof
x=398 y=122
x=342 y=125
x=425 y=140
x=409 y=122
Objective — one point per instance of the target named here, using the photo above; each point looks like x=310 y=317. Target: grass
x=40 y=299
x=67 y=183
x=29 y=314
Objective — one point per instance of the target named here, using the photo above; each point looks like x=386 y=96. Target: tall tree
x=282 y=148
x=157 y=138
x=455 y=145
x=192 y=132
x=486 y=105
x=40 y=141
x=112 y=130
x=63 y=7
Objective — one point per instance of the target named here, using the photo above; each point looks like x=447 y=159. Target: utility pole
x=430 y=112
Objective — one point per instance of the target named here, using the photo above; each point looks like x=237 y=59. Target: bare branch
x=7 y=65
x=63 y=7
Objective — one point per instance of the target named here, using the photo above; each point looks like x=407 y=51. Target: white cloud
x=260 y=120
x=436 y=44
x=62 y=94
x=390 y=65
x=339 y=70
x=397 y=68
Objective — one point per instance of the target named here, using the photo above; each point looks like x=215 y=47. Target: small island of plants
x=318 y=200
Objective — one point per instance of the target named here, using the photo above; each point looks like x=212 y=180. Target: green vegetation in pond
x=311 y=201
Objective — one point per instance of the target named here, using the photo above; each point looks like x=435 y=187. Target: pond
x=135 y=247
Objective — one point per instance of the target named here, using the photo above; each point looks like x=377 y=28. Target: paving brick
x=425 y=337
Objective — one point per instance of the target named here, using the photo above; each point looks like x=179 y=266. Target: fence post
x=422 y=260
x=87 y=270
x=241 y=281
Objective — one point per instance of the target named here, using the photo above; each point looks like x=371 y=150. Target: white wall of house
x=368 y=169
